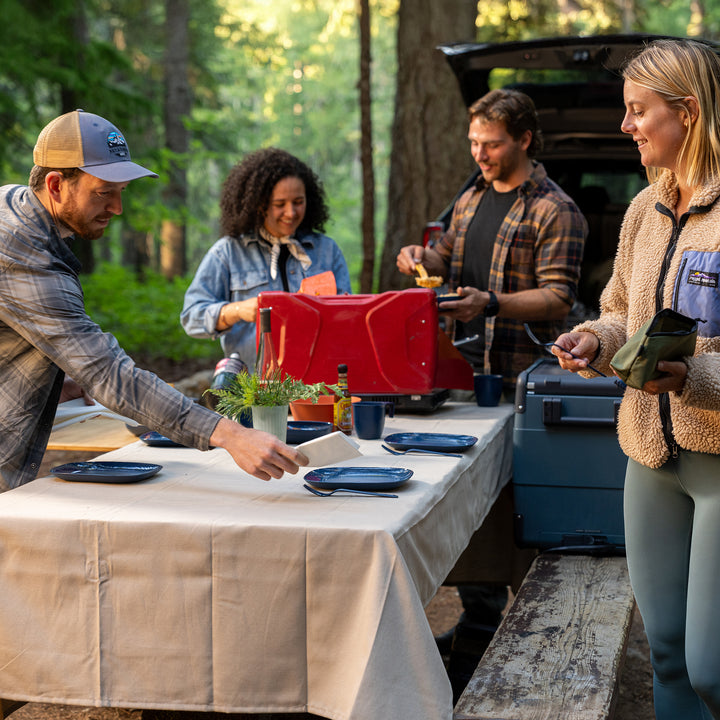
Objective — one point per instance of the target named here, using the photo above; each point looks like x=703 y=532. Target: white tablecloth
x=205 y=589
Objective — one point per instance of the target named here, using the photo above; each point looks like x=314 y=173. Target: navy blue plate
x=300 y=431
x=447 y=298
x=155 y=439
x=430 y=441
x=358 y=478
x=105 y=472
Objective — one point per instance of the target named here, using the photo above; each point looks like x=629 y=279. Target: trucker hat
x=82 y=140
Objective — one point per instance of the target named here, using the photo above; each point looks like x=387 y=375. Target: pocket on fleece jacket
x=697 y=290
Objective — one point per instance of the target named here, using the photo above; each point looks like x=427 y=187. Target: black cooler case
x=568 y=469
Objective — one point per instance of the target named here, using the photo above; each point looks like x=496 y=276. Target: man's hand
x=72 y=390
x=257 y=452
x=583 y=345
x=471 y=304
x=409 y=257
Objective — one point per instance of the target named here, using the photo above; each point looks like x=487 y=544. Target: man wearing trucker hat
x=82 y=166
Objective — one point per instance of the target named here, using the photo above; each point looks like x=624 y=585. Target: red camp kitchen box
x=390 y=342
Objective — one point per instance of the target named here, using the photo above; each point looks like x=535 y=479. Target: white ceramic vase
x=272 y=419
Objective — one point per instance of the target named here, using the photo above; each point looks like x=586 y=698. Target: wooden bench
x=560 y=648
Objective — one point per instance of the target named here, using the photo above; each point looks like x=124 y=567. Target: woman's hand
x=583 y=345
x=673 y=378
x=239 y=311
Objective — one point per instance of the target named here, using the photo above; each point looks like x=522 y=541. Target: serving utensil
x=548 y=345
x=420 y=450
x=322 y=493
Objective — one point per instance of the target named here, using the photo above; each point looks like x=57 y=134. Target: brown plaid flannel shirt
x=539 y=245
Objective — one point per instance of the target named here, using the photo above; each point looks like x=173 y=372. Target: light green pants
x=672 y=535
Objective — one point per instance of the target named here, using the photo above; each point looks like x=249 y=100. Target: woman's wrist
x=237 y=311
x=228 y=316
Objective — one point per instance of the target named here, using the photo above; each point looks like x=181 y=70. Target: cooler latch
x=552 y=412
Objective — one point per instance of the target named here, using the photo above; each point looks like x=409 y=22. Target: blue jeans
x=672 y=534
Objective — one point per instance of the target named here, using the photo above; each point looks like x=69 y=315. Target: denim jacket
x=239 y=268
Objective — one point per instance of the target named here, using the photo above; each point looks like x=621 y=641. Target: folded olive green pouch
x=668 y=336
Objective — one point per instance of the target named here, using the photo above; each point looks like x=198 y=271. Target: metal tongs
x=548 y=345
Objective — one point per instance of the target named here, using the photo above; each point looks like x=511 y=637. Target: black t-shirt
x=477 y=258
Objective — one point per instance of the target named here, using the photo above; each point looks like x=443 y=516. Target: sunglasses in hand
x=548 y=345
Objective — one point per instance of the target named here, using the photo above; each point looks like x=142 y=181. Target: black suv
x=576 y=86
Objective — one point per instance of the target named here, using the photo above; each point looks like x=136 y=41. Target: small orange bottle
x=342 y=410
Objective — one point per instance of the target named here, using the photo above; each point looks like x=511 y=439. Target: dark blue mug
x=488 y=389
x=369 y=418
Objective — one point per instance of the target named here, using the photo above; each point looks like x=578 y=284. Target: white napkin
x=76 y=410
x=329 y=449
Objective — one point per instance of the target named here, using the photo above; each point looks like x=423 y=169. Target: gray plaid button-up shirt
x=45 y=333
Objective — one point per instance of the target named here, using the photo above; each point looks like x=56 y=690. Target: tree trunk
x=178 y=104
x=429 y=161
x=366 y=142
x=135 y=251
x=70 y=100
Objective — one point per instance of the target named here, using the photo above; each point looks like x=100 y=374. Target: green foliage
x=143 y=314
x=283 y=73
x=247 y=390
x=295 y=67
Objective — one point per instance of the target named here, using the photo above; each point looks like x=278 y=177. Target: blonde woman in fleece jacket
x=669 y=257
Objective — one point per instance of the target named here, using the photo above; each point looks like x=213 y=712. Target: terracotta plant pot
x=320 y=411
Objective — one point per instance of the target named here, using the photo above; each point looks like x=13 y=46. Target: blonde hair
x=676 y=70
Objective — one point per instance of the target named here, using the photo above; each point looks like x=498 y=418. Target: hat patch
x=117 y=145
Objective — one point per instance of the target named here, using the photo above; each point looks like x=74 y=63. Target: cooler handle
x=552 y=415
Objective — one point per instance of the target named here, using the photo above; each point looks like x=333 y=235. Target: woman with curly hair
x=273 y=214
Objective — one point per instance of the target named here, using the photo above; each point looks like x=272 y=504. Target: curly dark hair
x=248 y=188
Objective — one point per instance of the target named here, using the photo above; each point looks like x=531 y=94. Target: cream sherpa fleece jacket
x=690 y=286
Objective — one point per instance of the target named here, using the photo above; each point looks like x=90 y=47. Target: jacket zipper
x=664 y=398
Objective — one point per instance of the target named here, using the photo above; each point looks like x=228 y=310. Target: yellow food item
x=425 y=280
x=429 y=281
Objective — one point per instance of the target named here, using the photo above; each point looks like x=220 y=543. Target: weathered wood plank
x=559 y=651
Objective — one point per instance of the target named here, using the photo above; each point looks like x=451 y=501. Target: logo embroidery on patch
x=703 y=278
x=117 y=145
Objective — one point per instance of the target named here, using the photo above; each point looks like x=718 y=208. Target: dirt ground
x=635 y=697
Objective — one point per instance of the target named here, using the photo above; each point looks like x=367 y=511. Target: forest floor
x=635 y=698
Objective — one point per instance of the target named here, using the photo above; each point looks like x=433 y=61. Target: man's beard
x=75 y=221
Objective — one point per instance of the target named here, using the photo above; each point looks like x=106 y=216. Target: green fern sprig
x=246 y=390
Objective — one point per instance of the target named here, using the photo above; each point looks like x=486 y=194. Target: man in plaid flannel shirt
x=514 y=245
x=512 y=253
